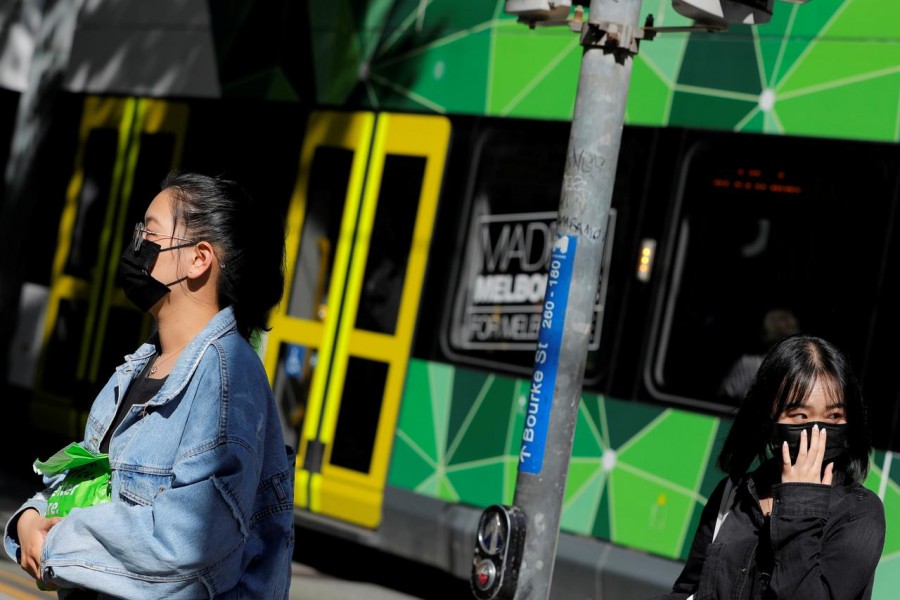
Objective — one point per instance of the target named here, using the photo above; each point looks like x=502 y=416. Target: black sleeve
x=687 y=582
x=823 y=555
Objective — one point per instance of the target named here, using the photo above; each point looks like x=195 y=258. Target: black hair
x=785 y=379
x=248 y=238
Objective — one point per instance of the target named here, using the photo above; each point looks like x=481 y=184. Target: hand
x=32 y=529
x=808 y=468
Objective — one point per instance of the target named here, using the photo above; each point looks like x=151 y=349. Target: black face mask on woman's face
x=134 y=275
x=836 y=444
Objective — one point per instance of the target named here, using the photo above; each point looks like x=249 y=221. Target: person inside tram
x=792 y=519
x=201 y=496
x=778 y=323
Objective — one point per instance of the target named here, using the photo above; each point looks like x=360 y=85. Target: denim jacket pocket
x=275 y=495
x=142 y=488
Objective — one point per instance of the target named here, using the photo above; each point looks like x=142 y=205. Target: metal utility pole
x=609 y=40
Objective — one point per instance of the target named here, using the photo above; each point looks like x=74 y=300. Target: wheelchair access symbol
x=492 y=535
x=498 y=553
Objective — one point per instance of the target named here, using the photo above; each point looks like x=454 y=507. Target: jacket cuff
x=10 y=533
x=800 y=499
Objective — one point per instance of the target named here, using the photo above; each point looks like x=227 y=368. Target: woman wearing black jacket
x=792 y=519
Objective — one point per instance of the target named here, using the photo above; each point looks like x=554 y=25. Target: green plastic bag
x=86 y=483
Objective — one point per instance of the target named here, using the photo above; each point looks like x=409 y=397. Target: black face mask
x=134 y=275
x=836 y=444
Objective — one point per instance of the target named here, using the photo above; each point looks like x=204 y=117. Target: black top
x=140 y=391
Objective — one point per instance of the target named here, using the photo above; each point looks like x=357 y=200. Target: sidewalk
x=309 y=584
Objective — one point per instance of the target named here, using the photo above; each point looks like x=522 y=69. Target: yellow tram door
x=125 y=147
x=359 y=231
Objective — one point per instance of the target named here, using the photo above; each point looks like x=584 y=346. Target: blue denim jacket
x=202 y=484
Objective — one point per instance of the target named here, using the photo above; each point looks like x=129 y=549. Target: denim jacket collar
x=221 y=324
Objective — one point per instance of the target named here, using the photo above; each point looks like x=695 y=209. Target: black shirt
x=139 y=392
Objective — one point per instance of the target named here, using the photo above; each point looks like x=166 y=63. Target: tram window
x=55 y=160
x=764 y=224
x=357 y=424
x=327 y=192
x=154 y=162
x=391 y=243
x=493 y=320
x=93 y=201
x=58 y=372
x=296 y=365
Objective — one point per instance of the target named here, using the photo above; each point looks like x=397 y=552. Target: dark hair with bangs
x=248 y=238
x=785 y=379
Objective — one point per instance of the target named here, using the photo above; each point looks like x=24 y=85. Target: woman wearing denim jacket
x=202 y=483
x=801 y=525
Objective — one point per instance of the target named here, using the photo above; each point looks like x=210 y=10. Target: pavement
x=306 y=584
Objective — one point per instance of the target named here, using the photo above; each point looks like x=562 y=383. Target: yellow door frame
x=329 y=489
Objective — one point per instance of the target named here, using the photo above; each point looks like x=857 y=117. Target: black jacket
x=820 y=542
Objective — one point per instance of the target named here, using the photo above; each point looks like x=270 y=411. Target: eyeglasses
x=141 y=232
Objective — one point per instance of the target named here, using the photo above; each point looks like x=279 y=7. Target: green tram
x=419 y=204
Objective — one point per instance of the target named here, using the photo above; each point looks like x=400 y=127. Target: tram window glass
x=498 y=286
x=768 y=223
x=93 y=201
x=9 y=102
x=296 y=365
x=58 y=371
x=55 y=163
x=391 y=243
x=154 y=161
x=327 y=192
x=358 y=417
